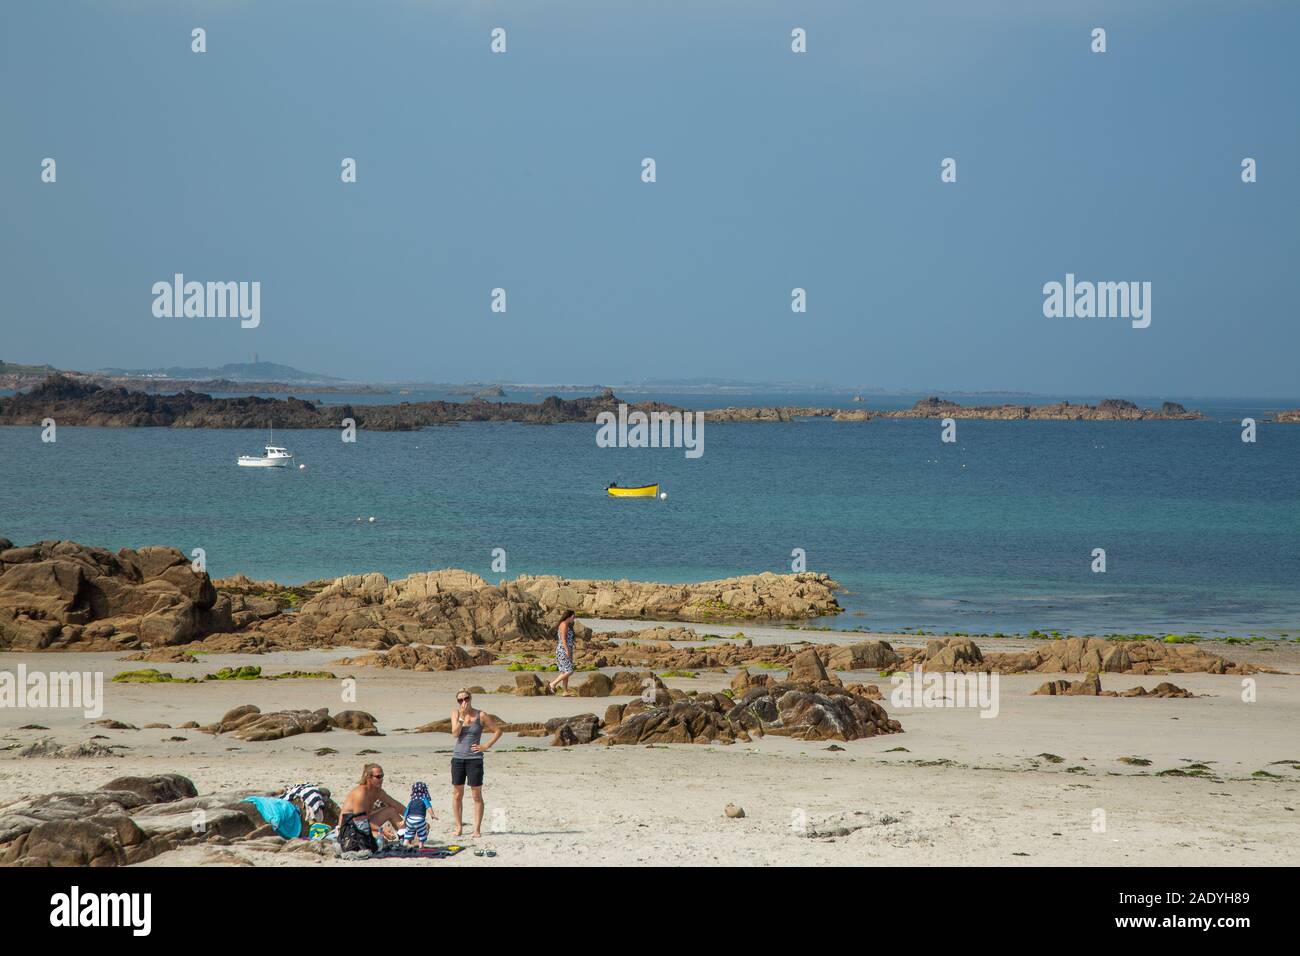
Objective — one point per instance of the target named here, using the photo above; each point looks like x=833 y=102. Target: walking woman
x=564 y=653
x=467 y=758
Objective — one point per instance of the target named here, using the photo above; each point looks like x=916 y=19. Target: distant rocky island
x=72 y=402
x=1111 y=409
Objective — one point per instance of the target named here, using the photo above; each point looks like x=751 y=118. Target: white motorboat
x=275 y=457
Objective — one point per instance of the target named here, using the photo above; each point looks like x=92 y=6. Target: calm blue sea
x=994 y=533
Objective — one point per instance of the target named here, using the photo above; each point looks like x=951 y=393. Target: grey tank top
x=471 y=733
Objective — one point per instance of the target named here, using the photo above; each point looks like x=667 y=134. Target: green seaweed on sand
x=151 y=675
x=1052 y=758
x=247 y=672
x=690 y=674
x=1135 y=761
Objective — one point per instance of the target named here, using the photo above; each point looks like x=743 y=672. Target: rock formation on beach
x=248 y=723
x=132 y=819
x=72 y=402
x=60 y=594
x=1291 y=416
x=1111 y=409
x=817 y=707
x=1072 y=655
x=1091 y=687
x=765 y=596
x=436 y=607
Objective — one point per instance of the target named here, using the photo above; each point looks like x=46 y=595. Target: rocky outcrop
x=443 y=608
x=58 y=595
x=825 y=710
x=1291 y=416
x=132 y=819
x=782 y=413
x=1091 y=687
x=701 y=720
x=73 y=402
x=868 y=655
x=415 y=657
x=250 y=724
x=572 y=731
x=126 y=821
x=1111 y=409
x=765 y=596
x=1073 y=655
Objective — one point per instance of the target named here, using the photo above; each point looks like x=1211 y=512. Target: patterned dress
x=564 y=651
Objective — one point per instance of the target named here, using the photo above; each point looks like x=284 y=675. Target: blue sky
x=775 y=170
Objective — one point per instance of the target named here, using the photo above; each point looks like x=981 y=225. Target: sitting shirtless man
x=369 y=801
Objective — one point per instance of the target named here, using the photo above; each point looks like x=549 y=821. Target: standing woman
x=467 y=758
x=564 y=653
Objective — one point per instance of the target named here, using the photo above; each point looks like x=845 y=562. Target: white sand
x=997 y=802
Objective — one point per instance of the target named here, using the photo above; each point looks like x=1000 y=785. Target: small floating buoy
x=372 y=519
x=302 y=467
x=663 y=496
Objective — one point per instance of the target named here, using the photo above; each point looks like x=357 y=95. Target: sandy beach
x=1030 y=786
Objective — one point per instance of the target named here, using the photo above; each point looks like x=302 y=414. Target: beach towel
x=319 y=831
x=397 y=851
x=312 y=799
x=281 y=814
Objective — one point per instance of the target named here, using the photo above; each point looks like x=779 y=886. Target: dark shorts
x=463 y=770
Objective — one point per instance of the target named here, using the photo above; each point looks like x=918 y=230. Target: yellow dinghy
x=642 y=491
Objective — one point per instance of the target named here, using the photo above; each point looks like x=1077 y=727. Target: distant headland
x=72 y=401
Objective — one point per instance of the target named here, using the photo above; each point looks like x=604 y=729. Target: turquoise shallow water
x=994 y=533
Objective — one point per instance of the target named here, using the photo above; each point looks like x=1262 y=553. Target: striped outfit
x=416 y=824
x=313 y=801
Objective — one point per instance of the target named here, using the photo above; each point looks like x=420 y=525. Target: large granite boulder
x=60 y=594
x=97 y=827
x=822 y=711
x=765 y=596
x=446 y=608
x=1073 y=655
x=812 y=712
x=250 y=724
x=868 y=655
